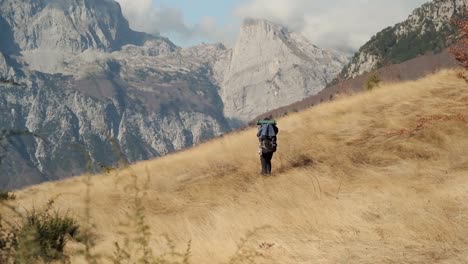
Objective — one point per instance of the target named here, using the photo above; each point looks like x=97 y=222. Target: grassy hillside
x=380 y=177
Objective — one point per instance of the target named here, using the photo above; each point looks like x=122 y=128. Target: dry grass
x=379 y=177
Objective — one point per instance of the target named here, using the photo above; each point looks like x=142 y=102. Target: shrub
x=460 y=48
x=373 y=81
x=51 y=232
x=40 y=235
x=5 y=195
x=7 y=244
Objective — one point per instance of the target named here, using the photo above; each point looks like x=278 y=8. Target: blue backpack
x=267 y=137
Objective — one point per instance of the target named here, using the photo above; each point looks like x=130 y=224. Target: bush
x=373 y=81
x=41 y=235
x=52 y=231
x=5 y=196
x=460 y=49
x=7 y=244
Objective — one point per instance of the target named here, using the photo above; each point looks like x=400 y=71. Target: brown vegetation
x=346 y=188
x=460 y=48
x=373 y=81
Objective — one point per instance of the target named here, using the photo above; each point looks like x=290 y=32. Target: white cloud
x=144 y=16
x=209 y=28
x=341 y=24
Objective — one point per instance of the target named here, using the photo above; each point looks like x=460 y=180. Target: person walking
x=267 y=138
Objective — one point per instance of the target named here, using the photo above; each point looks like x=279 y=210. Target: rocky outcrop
x=7 y=72
x=427 y=29
x=270 y=67
x=3 y=66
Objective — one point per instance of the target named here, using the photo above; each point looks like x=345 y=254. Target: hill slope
x=410 y=70
x=375 y=178
x=426 y=30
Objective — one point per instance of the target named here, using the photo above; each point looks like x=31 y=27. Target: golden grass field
x=378 y=177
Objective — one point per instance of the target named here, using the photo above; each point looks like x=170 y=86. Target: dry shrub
x=301 y=161
x=41 y=235
x=6 y=195
x=460 y=48
x=373 y=81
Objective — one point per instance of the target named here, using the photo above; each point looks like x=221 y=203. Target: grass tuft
x=5 y=196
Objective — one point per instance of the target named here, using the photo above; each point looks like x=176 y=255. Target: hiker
x=266 y=135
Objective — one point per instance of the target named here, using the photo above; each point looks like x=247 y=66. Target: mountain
x=379 y=177
x=281 y=70
x=427 y=30
x=93 y=91
x=68 y=25
x=410 y=70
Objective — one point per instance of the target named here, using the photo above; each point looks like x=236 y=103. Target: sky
x=343 y=25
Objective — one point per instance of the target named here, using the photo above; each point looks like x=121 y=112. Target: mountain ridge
x=427 y=29
x=410 y=70
x=70 y=25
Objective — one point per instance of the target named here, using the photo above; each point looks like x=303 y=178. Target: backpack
x=268 y=145
x=267 y=131
x=267 y=136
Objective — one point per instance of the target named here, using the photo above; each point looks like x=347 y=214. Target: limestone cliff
x=271 y=67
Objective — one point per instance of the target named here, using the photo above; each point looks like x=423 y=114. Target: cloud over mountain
x=340 y=24
x=145 y=16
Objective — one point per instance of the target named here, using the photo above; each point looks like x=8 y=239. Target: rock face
x=122 y=111
x=76 y=127
x=271 y=67
x=68 y=25
x=426 y=30
x=3 y=66
x=94 y=92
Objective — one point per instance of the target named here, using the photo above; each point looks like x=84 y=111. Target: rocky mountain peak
x=271 y=66
x=262 y=28
x=67 y=25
